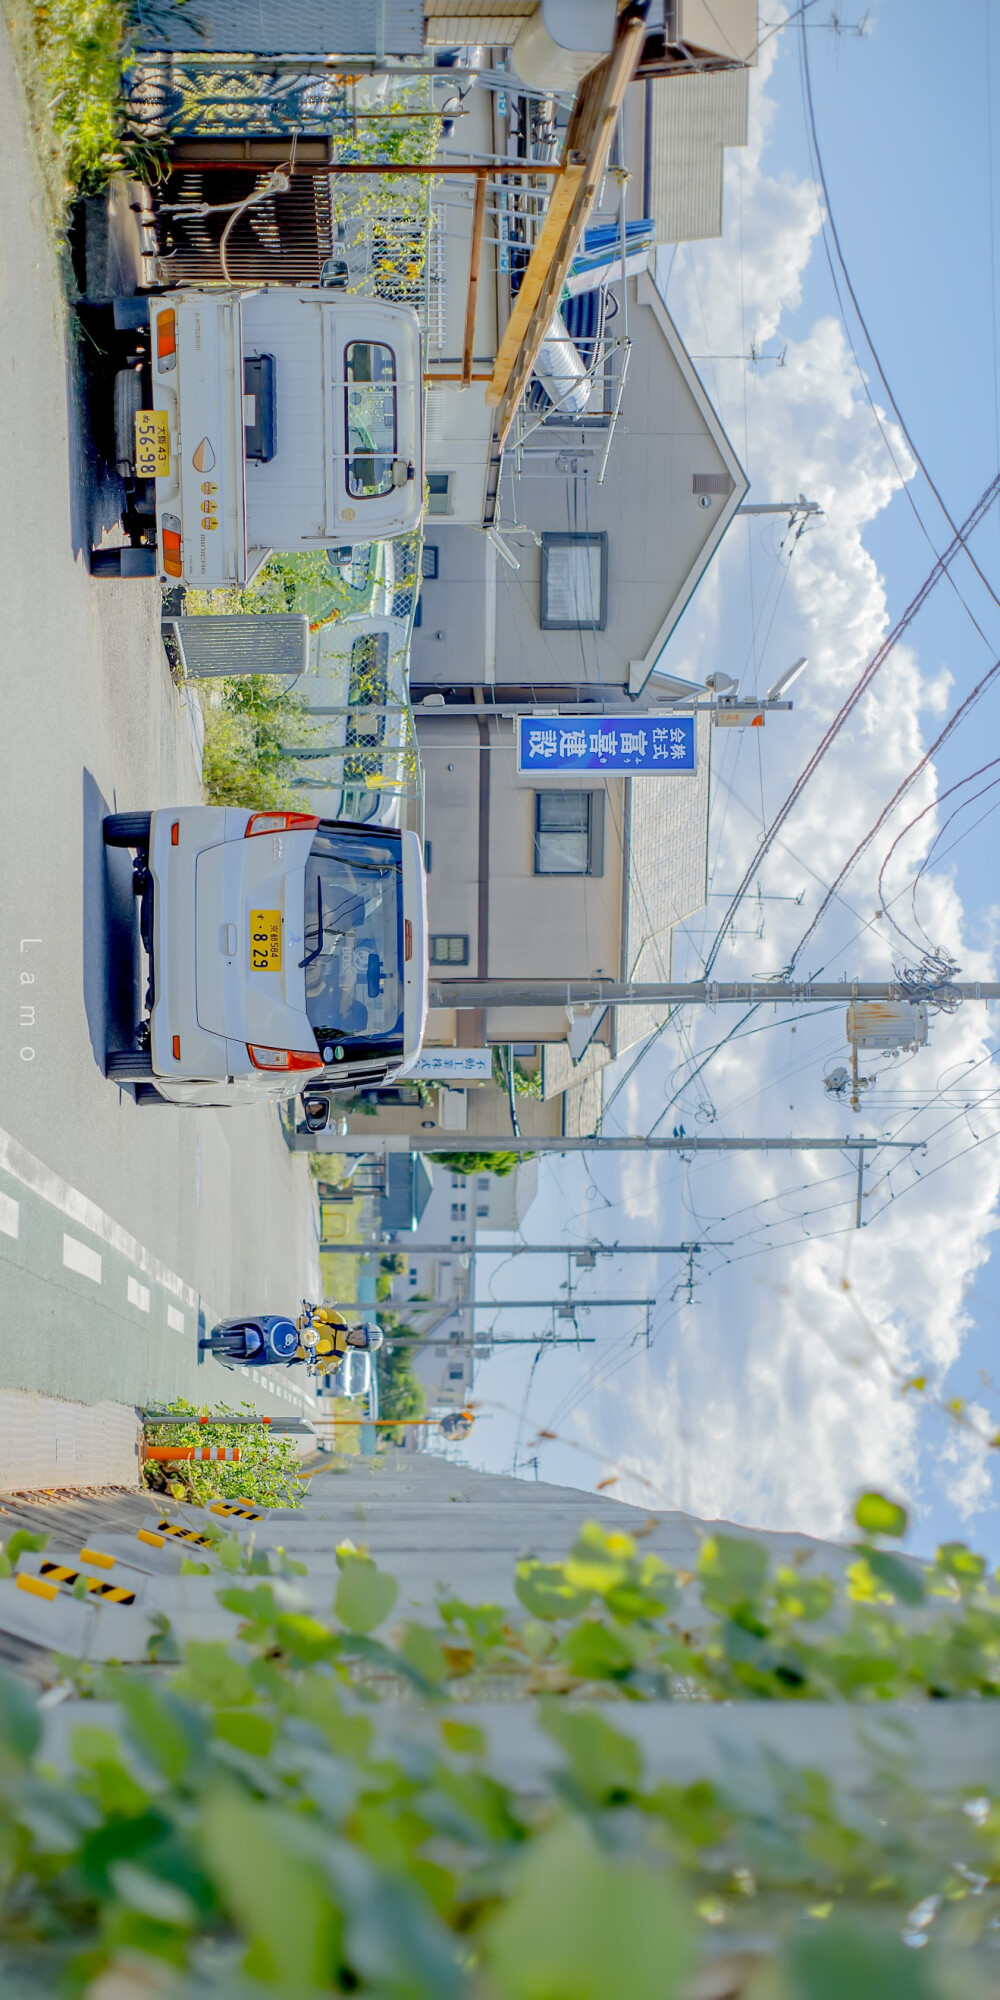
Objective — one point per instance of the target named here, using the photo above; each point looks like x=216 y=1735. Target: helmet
x=374 y=1337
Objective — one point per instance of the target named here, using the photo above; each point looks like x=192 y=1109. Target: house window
x=569 y=833
x=483 y=1211
x=574 y=583
x=456 y=1374
x=439 y=493
x=449 y=948
x=457 y=1210
x=429 y=554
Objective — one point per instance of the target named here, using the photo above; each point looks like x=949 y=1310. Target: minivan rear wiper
x=303 y=962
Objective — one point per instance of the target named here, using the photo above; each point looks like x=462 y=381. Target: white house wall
x=659 y=537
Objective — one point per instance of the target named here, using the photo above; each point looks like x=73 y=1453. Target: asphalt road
x=117 y=1221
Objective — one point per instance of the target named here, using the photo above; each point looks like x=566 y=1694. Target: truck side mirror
x=402 y=471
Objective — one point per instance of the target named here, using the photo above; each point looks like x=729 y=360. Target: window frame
x=438 y=937
x=443 y=493
x=563 y=539
x=595 y=831
x=355 y=488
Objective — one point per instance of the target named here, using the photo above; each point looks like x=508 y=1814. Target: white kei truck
x=288 y=418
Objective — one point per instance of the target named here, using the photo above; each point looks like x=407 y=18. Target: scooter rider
x=325 y=1336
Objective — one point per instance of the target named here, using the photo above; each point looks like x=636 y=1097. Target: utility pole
x=698 y=992
x=527 y=1305
x=582 y=1253
x=378 y=1143
x=480 y=1340
x=793 y=508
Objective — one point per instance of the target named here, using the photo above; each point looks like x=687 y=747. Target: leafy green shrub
x=500 y=1164
x=70 y=54
x=247 y=721
x=267 y=1472
x=399 y=1392
x=527 y=1083
x=253 y=1821
x=304 y=583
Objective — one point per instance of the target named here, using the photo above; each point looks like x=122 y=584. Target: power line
x=901 y=789
x=860 y=688
x=872 y=349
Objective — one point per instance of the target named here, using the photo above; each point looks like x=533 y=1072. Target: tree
x=399 y=1393
x=500 y=1164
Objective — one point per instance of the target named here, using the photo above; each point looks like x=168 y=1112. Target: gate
x=285 y=238
x=275 y=642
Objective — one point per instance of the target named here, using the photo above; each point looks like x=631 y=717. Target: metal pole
x=778 y=506
x=543 y=1142
x=481 y=1340
x=515 y=1305
x=693 y=993
x=419 y=1249
x=618 y=702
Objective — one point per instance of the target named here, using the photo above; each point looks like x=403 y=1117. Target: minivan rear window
x=353 y=943
x=369 y=417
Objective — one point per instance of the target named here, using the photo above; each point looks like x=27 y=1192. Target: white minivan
x=285 y=418
x=285 y=951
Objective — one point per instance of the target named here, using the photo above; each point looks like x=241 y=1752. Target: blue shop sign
x=613 y=743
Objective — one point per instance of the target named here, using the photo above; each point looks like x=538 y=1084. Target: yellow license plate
x=152 y=444
x=265 y=940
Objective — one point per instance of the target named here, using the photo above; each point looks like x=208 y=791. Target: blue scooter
x=258 y=1341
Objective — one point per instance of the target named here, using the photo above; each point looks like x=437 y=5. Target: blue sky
x=777 y=1394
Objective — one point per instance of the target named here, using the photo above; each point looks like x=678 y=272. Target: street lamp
x=785 y=680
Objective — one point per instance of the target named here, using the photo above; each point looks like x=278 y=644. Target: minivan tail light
x=166 y=342
x=284 y=1059
x=279 y=823
x=407 y=938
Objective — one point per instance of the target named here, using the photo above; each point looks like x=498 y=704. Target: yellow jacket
x=331 y=1336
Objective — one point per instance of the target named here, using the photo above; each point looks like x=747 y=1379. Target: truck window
x=369 y=417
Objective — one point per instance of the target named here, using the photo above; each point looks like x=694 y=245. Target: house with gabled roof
x=548 y=875
x=607 y=522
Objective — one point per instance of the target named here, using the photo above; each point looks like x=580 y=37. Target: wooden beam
x=590 y=133
x=550 y=237
x=475 y=259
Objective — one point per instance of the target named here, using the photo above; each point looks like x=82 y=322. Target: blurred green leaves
x=258 y=1818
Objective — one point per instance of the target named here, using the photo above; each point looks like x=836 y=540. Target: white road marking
x=138 y=1295
x=80 y=1257
x=32 y=1173
x=175 y=1319
x=10 y=1212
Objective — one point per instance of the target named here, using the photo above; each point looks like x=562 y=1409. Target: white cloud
x=777 y=1396
x=970 y=1485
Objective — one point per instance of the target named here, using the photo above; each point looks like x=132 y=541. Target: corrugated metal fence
x=282 y=27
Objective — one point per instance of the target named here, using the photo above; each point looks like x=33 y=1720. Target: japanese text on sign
x=614 y=743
